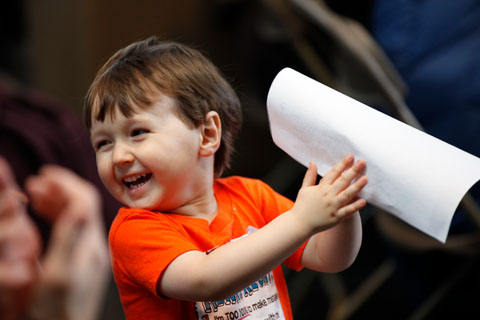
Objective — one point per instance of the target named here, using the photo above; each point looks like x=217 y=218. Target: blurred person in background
x=68 y=282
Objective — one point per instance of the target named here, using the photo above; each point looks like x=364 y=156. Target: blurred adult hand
x=76 y=265
x=69 y=281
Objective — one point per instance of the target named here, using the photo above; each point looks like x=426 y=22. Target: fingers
x=57 y=191
x=343 y=173
x=351 y=208
x=337 y=170
x=345 y=181
x=347 y=188
x=310 y=176
x=348 y=176
x=46 y=196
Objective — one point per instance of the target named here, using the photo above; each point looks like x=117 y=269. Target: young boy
x=189 y=244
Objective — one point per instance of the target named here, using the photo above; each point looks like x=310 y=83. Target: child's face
x=149 y=160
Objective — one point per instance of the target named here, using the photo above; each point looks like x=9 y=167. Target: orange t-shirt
x=143 y=243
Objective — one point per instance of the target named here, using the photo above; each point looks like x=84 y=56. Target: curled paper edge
x=412 y=175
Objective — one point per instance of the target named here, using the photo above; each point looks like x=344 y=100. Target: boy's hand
x=321 y=206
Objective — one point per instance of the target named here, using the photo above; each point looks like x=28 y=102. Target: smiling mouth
x=136 y=181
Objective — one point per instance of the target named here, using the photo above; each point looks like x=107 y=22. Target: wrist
x=300 y=225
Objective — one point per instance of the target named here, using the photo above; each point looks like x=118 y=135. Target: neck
x=204 y=206
x=202 y=203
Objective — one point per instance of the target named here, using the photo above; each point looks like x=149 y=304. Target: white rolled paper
x=412 y=175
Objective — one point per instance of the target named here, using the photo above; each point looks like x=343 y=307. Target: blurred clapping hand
x=69 y=280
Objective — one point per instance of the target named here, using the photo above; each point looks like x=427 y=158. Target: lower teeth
x=137 y=185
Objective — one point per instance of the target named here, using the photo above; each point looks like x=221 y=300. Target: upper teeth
x=134 y=178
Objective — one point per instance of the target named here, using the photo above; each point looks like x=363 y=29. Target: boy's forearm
x=234 y=266
x=230 y=268
x=335 y=249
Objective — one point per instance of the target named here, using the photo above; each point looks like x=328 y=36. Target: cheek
x=104 y=171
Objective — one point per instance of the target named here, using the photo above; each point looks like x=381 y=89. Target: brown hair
x=135 y=75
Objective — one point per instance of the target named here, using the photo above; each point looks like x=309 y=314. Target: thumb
x=310 y=176
x=45 y=196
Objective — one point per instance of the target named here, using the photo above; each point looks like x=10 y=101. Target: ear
x=211 y=134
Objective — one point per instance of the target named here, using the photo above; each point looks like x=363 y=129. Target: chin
x=146 y=205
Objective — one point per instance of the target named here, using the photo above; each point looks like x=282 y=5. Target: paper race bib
x=258 y=301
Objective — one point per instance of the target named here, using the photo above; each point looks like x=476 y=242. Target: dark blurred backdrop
x=56 y=46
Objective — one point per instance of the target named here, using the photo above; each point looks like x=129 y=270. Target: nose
x=122 y=155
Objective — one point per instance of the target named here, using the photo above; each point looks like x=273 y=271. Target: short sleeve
x=142 y=249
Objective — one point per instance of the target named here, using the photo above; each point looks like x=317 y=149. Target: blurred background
x=415 y=60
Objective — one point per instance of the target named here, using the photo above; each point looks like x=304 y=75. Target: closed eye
x=101 y=144
x=137 y=132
